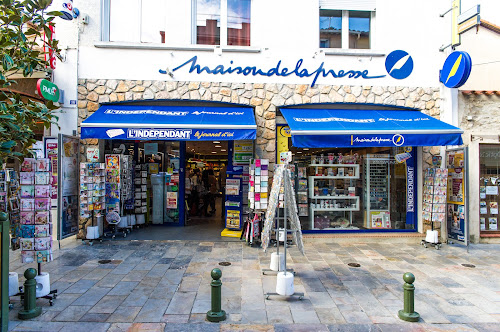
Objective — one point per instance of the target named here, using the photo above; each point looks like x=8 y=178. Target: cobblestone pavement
x=164 y=286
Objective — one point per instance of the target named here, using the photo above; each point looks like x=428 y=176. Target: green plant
x=23 y=25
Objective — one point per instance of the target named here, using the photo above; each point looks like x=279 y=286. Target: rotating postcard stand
x=32 y=228
x=284 y=278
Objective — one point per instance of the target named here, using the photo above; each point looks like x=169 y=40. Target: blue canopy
x=321 y=128
x=185 y=123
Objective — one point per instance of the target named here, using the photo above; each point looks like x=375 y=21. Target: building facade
x=320 y=54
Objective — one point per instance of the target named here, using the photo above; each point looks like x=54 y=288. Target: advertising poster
x=283 y=133
x=171 y=200
x=455 y=211
x=68 y=175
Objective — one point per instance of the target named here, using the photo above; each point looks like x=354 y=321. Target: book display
x=435 y=188
x=35 y=217
x=332 y=191
x=92 y=197
x=302 y=194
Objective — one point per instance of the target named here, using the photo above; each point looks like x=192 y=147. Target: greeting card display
x=258 y=184
x=92 y=192
x=435 y=190
x=34 y=205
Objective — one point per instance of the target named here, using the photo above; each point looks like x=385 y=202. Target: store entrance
x=172 y=183
x=205 y=178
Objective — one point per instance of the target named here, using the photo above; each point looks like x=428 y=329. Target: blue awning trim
x=185 y=123
x=318 y=128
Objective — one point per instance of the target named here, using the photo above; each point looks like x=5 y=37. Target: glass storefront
x=489 y=174
x=356 y=189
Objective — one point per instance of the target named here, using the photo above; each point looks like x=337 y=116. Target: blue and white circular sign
x=399 y=64
x=456 y=69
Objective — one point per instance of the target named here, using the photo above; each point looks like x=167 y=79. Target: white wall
x=283 y=30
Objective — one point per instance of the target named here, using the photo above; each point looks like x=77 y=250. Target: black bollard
x=30 y=309
x=216 y=314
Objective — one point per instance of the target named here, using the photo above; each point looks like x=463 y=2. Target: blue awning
x=185 y=123
x=321 y=128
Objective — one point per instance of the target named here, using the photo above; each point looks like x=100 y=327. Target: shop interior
x=157 y=169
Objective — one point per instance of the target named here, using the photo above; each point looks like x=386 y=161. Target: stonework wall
x=484 y=111
x=264 y=97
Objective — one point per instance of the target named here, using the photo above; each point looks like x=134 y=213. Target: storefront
x=149 y=148
x=356 y=165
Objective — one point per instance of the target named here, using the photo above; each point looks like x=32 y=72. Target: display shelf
x=341 y=180
x=377 y=190
x=338 y=169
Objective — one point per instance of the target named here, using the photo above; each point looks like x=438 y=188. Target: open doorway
x=205 y=178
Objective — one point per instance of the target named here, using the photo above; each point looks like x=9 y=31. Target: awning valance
x=317 y=128
x=186 y=123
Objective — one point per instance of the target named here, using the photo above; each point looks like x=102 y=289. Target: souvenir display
x=331 y=186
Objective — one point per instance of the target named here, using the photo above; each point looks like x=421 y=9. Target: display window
x=362 y=189
x=489 y=175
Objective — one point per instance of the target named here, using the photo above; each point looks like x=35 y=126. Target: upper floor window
x=222 y=22
x=346 y=24
x=137 y=20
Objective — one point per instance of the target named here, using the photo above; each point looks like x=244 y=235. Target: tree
x=25 y=40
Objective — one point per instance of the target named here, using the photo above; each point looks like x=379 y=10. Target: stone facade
x=266 y=98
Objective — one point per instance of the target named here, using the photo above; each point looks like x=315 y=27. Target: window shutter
x=368 y=5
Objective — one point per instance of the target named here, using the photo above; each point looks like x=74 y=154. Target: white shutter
x=368 y=5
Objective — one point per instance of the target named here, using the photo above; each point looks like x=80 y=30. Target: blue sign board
x=399 y=64
x=456 y=69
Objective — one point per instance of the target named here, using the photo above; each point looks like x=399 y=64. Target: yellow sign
x=283 y=133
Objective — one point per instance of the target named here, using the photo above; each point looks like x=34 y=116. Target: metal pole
x=216 y=314
x=285 y=214
x=30 y=309
x=408 y=314
x=4 y=271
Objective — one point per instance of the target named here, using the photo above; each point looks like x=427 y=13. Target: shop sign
x=456 y=69
x=47 y=90
x=399 y=65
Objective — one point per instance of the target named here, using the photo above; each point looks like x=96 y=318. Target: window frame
x=223 y=25
x=345 y=31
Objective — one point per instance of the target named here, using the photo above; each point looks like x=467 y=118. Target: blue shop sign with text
x=456 y=69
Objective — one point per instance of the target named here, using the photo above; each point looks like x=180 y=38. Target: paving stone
x=181 y=303
x=300 y=328
x=88 y=317
x=123 y=288
x=81 y=286
x=92 y=296
x=279 y=314
x=108 y=304
x=124 y=314
x=72 y=313
x=200 y=327
x=152 y=311
x=167 y=318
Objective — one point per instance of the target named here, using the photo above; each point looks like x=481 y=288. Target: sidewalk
x=165 y=286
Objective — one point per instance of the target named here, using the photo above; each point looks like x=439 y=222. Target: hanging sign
x=47 y=90
x=456 y=69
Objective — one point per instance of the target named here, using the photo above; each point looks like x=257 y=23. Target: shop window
x=355 y=189
x=345 y=29
x=137 y=21
x=215 y=28
x=489 y=176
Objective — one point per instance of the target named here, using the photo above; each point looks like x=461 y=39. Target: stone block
x=122 y=87
x=92 y=107
x=100 y=89
x=92 y=96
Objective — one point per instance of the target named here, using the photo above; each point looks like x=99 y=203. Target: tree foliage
x=24 y=41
